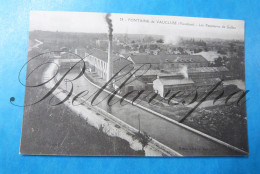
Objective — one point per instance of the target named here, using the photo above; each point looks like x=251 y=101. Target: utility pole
x=65 y=83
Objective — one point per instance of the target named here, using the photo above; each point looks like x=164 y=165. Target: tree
x=221 y=51
x=198 y=50
x=218 y=61
x=160 y=41
x=141 y=49
x=143 y=138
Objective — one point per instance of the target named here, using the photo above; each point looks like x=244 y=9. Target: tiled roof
x=208 y=69
x=164 y=58
x=132 y=81
x=102 y=55
x=149 y=72
x=120 y=63
x=209 y=81
x=173 y=82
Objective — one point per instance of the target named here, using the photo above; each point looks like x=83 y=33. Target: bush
x=143 y=138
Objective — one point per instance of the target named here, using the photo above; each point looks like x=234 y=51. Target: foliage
x=143 y=138
x=160 y=41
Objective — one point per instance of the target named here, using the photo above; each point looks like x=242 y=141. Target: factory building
x=208 y=72
x=81 y=52
x=130 y=85
x=165 y=61
x=177 y=82
x=98 y=61
x=148 y=76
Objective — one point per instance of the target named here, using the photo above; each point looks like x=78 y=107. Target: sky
x=171 y=27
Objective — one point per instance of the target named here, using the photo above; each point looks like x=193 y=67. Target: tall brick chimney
x=109 y=51
x=109 y=58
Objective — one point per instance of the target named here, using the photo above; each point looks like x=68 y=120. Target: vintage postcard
x=102 y=84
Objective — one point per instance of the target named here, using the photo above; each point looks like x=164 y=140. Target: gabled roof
x=132 y=81
x=149 y=72
x=209 y=81
x=102 y=55
x=174 y=82
x=120 y=63
x=164 y=58
x=208 y=69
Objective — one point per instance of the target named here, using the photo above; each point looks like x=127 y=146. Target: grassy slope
x=57 y=130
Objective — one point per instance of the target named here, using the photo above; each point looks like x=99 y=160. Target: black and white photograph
x=110 y=84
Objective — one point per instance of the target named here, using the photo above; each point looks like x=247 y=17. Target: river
x=180 y=139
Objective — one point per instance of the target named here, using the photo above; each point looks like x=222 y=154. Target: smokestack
x=109 y=51
x=184 y=72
